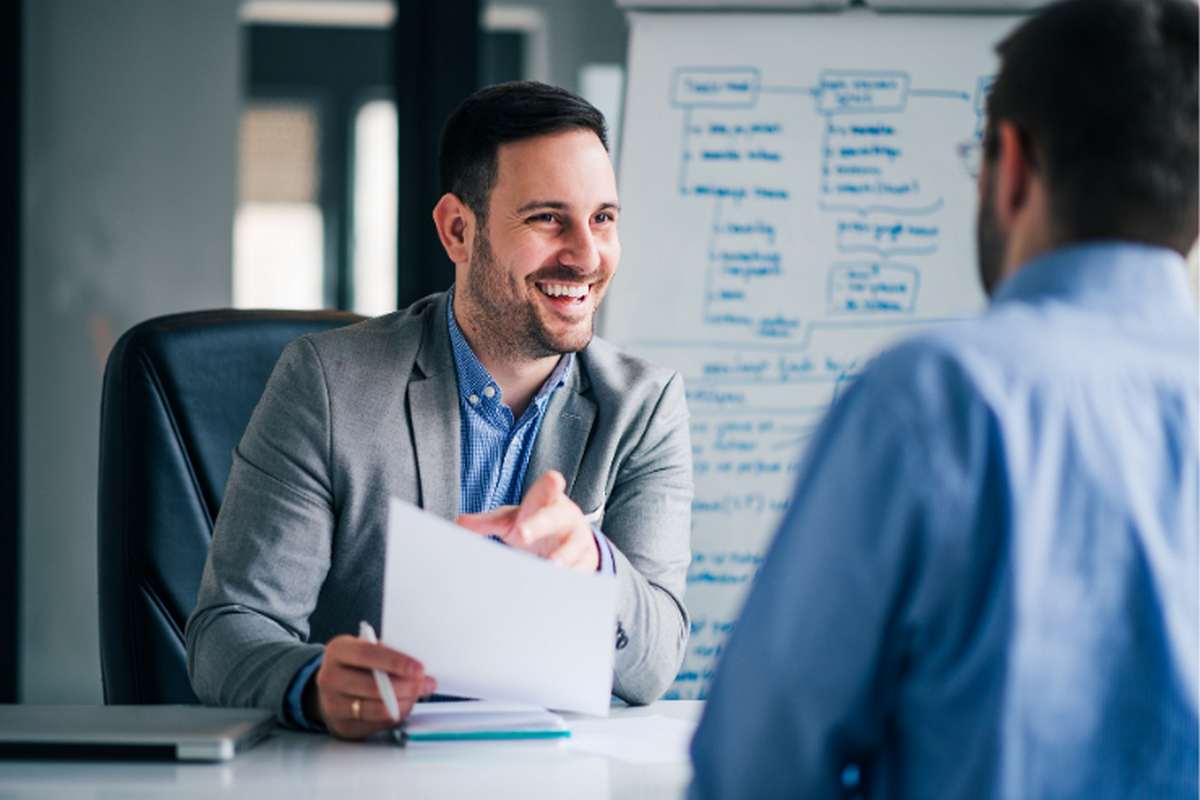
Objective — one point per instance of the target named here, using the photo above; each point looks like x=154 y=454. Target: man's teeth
x=564 y=289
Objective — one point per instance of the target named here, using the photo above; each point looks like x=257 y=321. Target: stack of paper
x=480 y=719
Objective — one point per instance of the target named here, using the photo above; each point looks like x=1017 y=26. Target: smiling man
x=492 y=403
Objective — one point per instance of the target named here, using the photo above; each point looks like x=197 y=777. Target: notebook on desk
x=479 y=720
x=173 y=733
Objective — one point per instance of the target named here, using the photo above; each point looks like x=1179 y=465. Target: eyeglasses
x=970 y=153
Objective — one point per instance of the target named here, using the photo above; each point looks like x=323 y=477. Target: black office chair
x=178 y=392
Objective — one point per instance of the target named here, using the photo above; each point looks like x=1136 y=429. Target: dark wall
x=10 y=346
x=436 y=53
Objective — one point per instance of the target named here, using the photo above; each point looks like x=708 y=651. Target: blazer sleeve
x=271 y=545
x=647 y=518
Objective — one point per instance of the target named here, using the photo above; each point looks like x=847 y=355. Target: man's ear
x=455 y=225
x=1012 y=175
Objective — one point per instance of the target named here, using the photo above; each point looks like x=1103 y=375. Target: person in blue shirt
x=986 y=581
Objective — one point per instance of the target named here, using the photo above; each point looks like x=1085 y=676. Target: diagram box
x=715 y=87
x=847 y=91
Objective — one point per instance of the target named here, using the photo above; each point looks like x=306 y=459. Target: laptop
x=179 y=733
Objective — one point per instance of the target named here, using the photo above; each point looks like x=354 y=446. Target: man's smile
x=577 y=291
x=570 y=300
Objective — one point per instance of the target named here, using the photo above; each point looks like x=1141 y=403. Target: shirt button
x=473 y=399
x=489 y=392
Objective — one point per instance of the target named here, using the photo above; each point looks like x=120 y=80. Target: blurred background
x=168 y=155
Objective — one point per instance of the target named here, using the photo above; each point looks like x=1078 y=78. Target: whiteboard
x=794 y=198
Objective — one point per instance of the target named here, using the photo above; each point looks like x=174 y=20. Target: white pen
x=386 y=693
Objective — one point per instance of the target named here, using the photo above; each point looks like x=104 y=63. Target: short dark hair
x=1104 y=93
x=496 y=115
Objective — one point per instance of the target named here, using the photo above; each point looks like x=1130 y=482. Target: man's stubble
x=505 y=317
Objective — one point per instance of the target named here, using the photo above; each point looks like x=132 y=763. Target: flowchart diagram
x=883 y=219
x=800 y=214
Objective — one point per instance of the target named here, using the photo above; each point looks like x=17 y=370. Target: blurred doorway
x=316 y=222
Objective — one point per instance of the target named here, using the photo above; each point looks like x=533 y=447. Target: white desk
x=301 y=766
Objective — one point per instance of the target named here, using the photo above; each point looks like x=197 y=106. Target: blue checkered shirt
x=495 y=446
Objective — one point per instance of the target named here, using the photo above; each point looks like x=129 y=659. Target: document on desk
x=495 y=623
x=652 y=739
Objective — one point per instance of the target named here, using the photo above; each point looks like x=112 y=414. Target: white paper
x=495 y=623
x=639 y=740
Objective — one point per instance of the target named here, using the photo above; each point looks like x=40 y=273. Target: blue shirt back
x=986 y=582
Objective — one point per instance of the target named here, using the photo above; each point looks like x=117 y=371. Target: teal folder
x=478 y=720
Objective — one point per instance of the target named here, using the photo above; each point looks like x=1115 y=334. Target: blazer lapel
x=564 y=433
x=433 y=414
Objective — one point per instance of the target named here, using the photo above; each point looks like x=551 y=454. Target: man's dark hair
x=1104 y=93
x=496 y=115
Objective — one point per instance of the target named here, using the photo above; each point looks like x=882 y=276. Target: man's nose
x=581 y=250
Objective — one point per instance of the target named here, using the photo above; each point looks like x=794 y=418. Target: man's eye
x=543 y=218
x=605 y=217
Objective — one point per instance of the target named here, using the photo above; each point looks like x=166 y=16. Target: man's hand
x=345 y=696
x=547 y=524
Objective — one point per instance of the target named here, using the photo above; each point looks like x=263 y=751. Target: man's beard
x=505 y=317
x=990 y=243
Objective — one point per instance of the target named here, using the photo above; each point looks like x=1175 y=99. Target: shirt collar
x=1106 y=275
x=473 y=378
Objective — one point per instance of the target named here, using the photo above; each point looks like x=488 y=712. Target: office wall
x=129 y=192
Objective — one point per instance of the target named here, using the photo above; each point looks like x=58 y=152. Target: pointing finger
x=540 y=532
x=544 y=492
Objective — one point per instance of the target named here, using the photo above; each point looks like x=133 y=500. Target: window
x=278 y=231
x=317 y=207
x=374 y=208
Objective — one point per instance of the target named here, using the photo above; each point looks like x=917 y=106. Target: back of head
x=1106 y=93
x=496 y=115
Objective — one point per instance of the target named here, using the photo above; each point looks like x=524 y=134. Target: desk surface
x=299 y=765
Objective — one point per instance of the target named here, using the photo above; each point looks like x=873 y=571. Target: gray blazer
x=354 y=415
